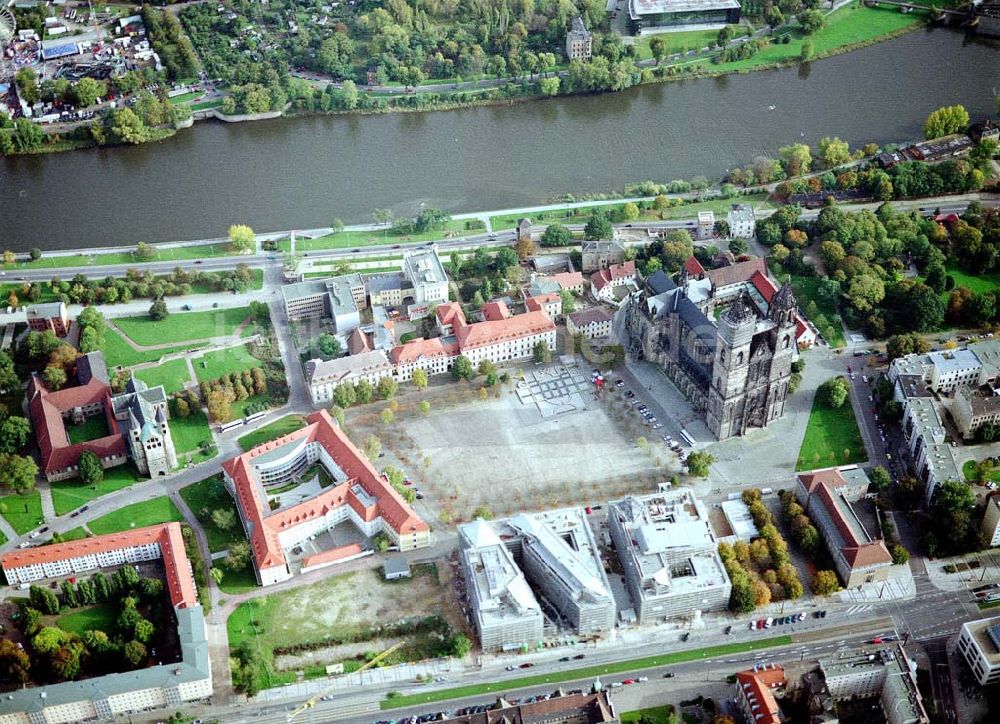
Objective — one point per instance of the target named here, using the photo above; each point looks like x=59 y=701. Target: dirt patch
x=331 y=654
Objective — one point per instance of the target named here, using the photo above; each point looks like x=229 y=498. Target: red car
x=628 y=681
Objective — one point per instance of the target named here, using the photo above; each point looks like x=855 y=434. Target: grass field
x=137 y=515
x=977 y=283
x=204 y=497
x=188 y=434
x=23 y=512
x=118 y=352
x=172 y=374
x=677 y=42
x=850 y=25
x=70 y=494
x=182 y=327
x=655 y=714
x=78 y=533
x=212 y=365
x=282 y=426
x=968 y=469
x=589 y=672
x=236 y=582
x=182 y=253
x=451 y=230
x=829 y=433
x=101 y=617
x=93 y=428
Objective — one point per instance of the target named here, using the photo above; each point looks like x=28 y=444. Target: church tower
x=727 y=390
x=782 y=314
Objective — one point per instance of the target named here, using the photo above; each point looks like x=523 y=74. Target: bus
x=687 y=438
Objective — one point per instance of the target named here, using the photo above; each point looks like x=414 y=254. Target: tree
x=387 y=388
x=462 y=368
x=15 y=664
x=242 y=238
x=541 y=352
x=387 y=416
x=87 y=91
x=14 y=434
x=143 y=630
x=460 y=645
x=217 y=575
x=218 y=405
x=807 y=51
x=91 y=472
x=424 y=407
x=44 y=600
x=372 y=447
x=598 y=227
x=525 y=247
x=945 y=121
x=345 y=395
x=658 y=47
x=8 y=375
x=238 y=557
x=630 y=212
x=158 y=310
x=834 y=151
x=224 y=518
x=900 y=345
x=835 y=392
x=328 y=346
x=482 y=512
x=17 y=472
x=420 y=378
x=880 y=478
x=556 y=235
x=825 y=583
x=54 y=377
x=795 y=159
x=699 y=462
x=134 y=652
x=899 y=554
x=812 y=21
x=549 y=86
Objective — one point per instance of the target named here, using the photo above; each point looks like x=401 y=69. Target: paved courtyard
x=555 y=390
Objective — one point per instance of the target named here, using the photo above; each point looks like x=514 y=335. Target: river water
x=302 y=172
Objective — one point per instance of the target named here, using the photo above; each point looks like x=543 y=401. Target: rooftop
x=424 y=266
x=986 y=635
x=639 y=8
x=320 y=371
x=756 y=686
x=592 y=315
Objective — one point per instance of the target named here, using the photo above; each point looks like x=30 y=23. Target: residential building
x=755 y=694
x=979 y=645
x=741 y=221
x=142 y=415
x=555 y=283
x=506 y=614
x=597 y=255
x=582 y=708
x=324 y=376
x=556 y=556
x=359 y=494
x=388 y=290
x=826 y=496
x=550 y=303
x=649 y=16
x=116 y=695
x=706 y=225
x=579 y=42
x=424 y=272
x=434 y=356
x=334 y=298
x=973 y=408
x=39 y=317
x=991 y=521
x=886 y=674
x=668 y=554
x=592 y=323
x=726 y=346
x=89 y=398
x=614 y=282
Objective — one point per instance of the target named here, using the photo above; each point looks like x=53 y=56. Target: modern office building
x=827 y=497
x=979 y=645
x=359 y=494
x=423 y=269
x=650 y=16
x=669 y=554
x=991 y=521
x=336 y=298
x=107 y=697
x=505 y=611
x=886 y=674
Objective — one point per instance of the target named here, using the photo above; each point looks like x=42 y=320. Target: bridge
x=969 y=14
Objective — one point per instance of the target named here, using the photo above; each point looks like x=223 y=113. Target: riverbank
x=847 y=29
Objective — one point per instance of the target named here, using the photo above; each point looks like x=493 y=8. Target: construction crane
x=310 y=703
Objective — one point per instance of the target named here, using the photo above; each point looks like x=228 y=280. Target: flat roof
x=500 y=590
x=954 y=360
x=424 y=267
x=638 y=8
x=987 y=644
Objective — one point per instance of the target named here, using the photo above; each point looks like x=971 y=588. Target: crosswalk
x=858 y=609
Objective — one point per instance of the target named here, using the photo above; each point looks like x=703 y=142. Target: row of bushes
x=427 y=625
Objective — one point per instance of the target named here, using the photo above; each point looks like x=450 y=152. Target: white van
x=768 y=621
x=766 y=491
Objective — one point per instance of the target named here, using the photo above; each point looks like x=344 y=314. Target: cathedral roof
x=741 y=311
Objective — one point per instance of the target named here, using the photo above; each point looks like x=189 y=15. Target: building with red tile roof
x=826 y=495
x=735 y=274
x=805 y=335
x=604 y=282
x=573 y=281
x=550 y=303
x=90 y=397
x=755 y=694
x=153 y=542
x=435 y=356
x=693 y=268
x=495 y=311
x=449 y=316
x=359 y=494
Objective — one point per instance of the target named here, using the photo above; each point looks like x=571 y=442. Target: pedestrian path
x=48 y=508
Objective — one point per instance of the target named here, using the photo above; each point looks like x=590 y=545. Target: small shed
x=395 y=568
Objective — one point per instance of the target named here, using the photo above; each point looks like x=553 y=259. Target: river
x=302 y=172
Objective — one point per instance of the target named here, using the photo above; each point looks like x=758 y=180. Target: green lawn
x=204 y=497
x=117 y=351
x=185 y=97
x=655 y=714
x=977 y=283
x=137 y=515
x=236 y=582
x=92 y=428
x=212 y=365
x=282 y=426
x=23 y=512
x=101 y=617
x=47 y=294
x=182 y=253
x=589 y=672
x=188 y=434
x=451 y=230
x=182 y=327
x=172 y=374
x=831 y=432
x=850 y=25
x=78 y=533
x=677 y=42
x=68 y=495
x=969 y=468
